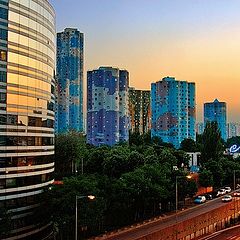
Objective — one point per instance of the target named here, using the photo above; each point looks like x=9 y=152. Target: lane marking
x=213 y=235
x=233 y=237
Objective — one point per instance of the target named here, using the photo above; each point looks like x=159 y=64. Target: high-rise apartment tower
x=217 y=112
x=139 y=108
x=107 y=106
x=69 y=78
x=173 y=110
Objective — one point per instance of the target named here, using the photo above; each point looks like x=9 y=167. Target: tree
x=70 y=151
x=60 y=203
x=188 y=145
x=229 y=165
x=94 y=161
x=182 y=158
x=135 y=138
x=147 y=138
x=206 y=178
x=146 y=186
x=232 y=141
x=157 y=140
x=116 y=161
x=212 y=146
x=215 y=167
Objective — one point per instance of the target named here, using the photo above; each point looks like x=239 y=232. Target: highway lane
x=159 y=224
x=228 y=234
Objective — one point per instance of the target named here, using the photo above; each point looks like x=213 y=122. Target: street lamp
x=176 y=206
x=90 y=197
x=234 y=188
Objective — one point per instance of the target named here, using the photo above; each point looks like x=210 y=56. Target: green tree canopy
x=212 y=146
x=188 y=145
x=70 y=150
x=232 y=141
x=206 y=178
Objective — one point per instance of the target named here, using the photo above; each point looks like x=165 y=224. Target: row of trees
x=132 y=181
x=216 y=167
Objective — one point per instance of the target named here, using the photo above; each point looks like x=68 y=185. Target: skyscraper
x=27 y=62
x=217 y=112
x=173 y=110
x=107 y=106
x=139 y=109
x=69 y=77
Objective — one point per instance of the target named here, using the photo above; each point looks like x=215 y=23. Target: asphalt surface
x=229 y=234
x=151 y=227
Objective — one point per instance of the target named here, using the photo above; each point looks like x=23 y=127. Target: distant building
x=173 y=110
x=194 y=159
x=107 y=106
x=233 y=129
x=69 y=78
x=139 y=109
x=200 y=128
x=216 y=112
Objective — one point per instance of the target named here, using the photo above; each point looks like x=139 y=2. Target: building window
x=3 y=55
x=3 y=77
x=3 y=12
x=3 y=97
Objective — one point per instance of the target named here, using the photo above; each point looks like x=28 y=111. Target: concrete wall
x=194 y=228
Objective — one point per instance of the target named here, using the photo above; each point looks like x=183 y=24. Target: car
x=228 y=189
x=200 y=199
x=209 y=196
x=227 y=198
x=221 y=192
x=236 y=194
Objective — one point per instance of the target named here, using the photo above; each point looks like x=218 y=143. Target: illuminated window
x=3 y=55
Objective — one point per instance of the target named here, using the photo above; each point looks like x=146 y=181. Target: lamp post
x=90 y=197
x=176 y=203
x=234 y=188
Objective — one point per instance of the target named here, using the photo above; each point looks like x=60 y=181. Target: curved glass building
x=27 y=63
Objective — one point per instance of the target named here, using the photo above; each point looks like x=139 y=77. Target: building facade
x=233 y=130
x=69 y=78
x=217 y=112
x=107 y=106
x=139 y=110
x=27 y=63
x=173 y=110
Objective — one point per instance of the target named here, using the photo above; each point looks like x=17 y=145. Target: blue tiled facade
x=217 y=112
x=173 y=110
x=69 y=77
x=107 y=106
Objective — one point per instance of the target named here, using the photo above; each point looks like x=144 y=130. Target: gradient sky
x=193 y=40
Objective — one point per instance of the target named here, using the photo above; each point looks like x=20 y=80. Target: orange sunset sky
x=193 y=40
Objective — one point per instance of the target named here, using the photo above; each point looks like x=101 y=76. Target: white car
x=221 y=192
x=227 y=198
x=228 y=189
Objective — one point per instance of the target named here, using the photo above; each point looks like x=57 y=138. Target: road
x=146 y=229
x=229 y=234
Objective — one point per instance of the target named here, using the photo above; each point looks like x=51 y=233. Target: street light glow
x=91 y=197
